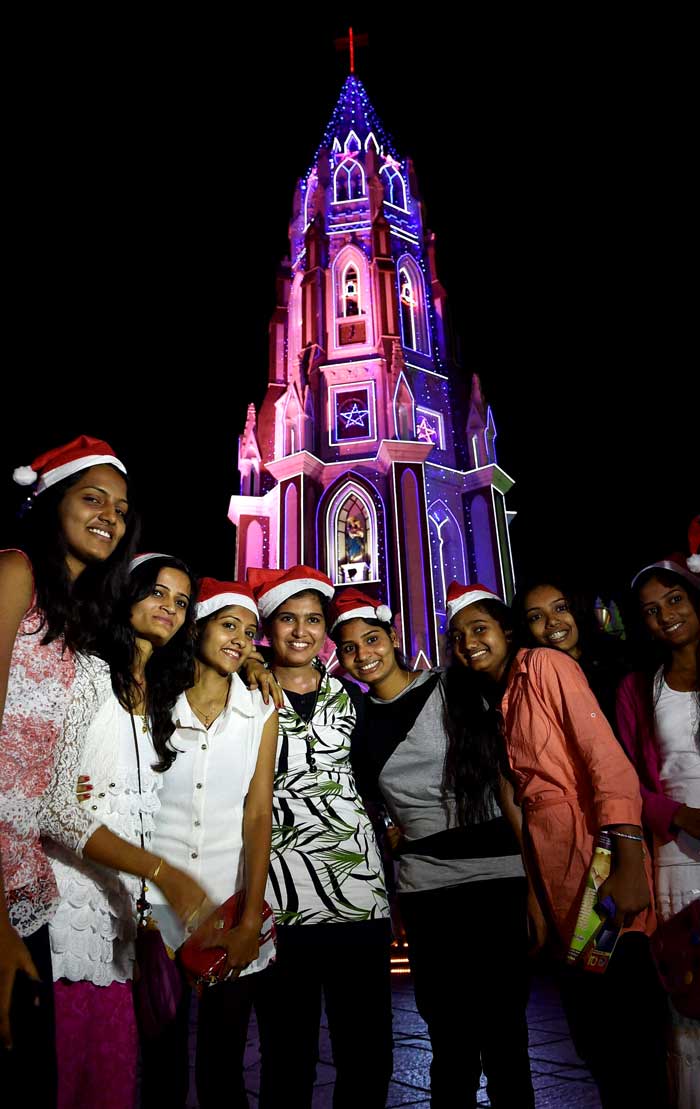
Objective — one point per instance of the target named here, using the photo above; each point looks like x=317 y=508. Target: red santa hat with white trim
x=351 y=604
x=272 y=587
x=214 y=595
x=62 y=462
x=459 y=596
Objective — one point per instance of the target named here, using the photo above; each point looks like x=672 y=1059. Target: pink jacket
x=635 y=723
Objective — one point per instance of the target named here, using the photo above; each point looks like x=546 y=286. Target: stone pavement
x=559 y=1077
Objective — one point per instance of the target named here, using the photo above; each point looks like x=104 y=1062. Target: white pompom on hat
x=272 y=587
x=459 y=596
x=62 y=462
x=214 y=594
x=352 y=604
x=693 y=559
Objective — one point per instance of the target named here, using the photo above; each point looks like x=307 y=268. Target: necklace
x=209 y=717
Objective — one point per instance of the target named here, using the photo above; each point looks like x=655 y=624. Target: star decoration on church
x=354 y=416
x=426 y=431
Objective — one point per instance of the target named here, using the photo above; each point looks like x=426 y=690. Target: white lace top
x=37 y=771
x=93 y=931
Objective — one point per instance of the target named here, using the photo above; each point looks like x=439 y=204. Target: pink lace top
x=37 y=775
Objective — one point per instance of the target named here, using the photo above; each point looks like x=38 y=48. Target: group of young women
x=137 y=765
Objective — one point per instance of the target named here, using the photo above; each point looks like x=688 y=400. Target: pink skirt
x=96 y=1045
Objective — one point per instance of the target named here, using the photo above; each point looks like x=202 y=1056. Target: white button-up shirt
x=199 y=827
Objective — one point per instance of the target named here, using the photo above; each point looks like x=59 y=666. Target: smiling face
x=227 y=638
x=669 y=614
x=162 y=613
x=297 y=630
x=92 y=516
x=550 y=620
x=479 y=642
x=367 y=652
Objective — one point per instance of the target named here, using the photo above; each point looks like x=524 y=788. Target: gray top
x=411 y=784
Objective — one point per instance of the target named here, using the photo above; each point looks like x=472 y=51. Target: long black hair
x=77 y=610
x=652 y=654
x=579 y=604
x=473 y=757
x=476 y=755
x=170 y=669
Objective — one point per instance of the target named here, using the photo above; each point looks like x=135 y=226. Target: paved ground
x=559 y=1078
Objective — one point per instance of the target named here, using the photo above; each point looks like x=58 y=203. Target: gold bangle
x=156 y=872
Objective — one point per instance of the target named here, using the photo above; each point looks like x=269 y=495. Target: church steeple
x=354 y=123
x=481 y=430
x=361 y=451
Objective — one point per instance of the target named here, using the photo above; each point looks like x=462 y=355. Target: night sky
x=150 y=192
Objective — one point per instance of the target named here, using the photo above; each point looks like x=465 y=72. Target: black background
x=151 y=172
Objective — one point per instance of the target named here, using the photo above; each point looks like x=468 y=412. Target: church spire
x=353 y=121
x=481 y=430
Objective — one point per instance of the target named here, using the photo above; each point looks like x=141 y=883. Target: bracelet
x=625 y=835
x=156 y=872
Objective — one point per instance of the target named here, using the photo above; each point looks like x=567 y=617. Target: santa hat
x=459 y=596
x=272 y=587
x=140 y=559
x=214 y=595
x=62 y=462
x=676 y=564
x=351 y=604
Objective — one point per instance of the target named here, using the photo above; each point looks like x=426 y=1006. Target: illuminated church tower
x=359 y=461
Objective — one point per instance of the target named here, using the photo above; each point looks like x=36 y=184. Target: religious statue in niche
x=353 y=543
x=355 y=539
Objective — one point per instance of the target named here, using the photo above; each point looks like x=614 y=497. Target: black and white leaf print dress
x=324 y=865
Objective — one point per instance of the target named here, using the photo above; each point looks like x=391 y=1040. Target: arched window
x=351 y=536
x=353 y=540
x=348 y=180
x=404 y=410
x=394 y=187
x=351 y=292
x=254 y=544
x=289 y=433
x=352 y=143
x=370 y=141
x=414 y=320
x=447 y=544
x=291 y=526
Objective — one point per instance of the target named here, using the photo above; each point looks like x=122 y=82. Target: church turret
x=360 y=462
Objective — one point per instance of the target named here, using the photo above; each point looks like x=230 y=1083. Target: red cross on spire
x=350 y=43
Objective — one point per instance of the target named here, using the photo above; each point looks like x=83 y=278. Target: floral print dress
x=324 y=865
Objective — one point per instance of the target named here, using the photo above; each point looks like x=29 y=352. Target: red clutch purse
x=205 y=966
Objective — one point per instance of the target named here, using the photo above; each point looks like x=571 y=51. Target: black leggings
x=223 y=1012
x=618 y=1024
x=468 y=954
x=349 y=966
x=28 y=1072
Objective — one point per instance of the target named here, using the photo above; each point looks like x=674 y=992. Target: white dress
x=677 y=863
x=92 y=934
